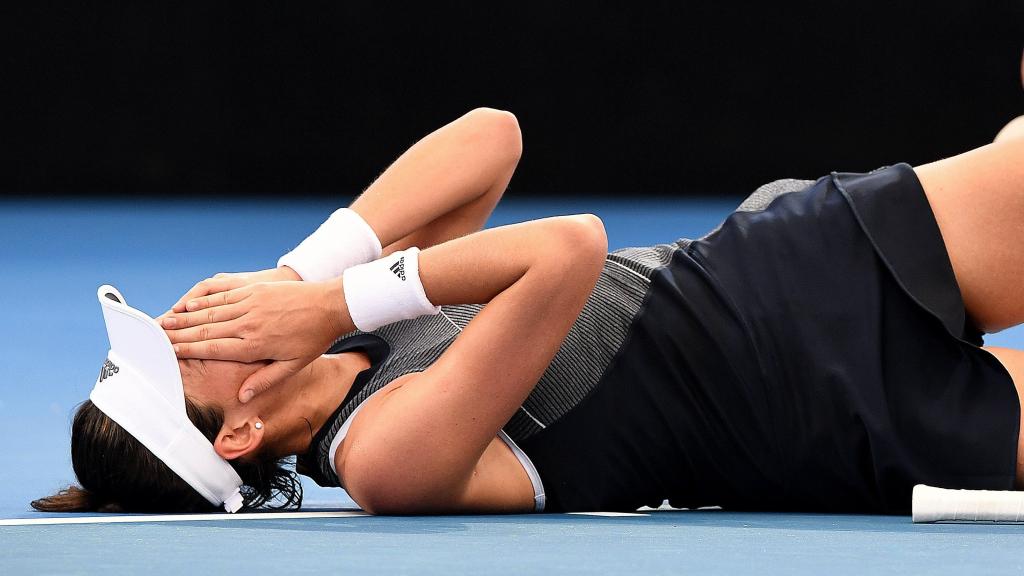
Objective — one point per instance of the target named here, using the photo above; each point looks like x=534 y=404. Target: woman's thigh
x=978 y=201
x=1013 y=361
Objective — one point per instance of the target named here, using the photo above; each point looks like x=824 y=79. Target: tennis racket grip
x=932 y=504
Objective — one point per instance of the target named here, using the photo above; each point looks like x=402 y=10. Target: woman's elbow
x=399 y=497
x=378 y=494
x=586 y=242
x=499 y=131
x=594 y=236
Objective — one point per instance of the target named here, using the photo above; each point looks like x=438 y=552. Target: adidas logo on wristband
x=386 y=291
x=399 y=268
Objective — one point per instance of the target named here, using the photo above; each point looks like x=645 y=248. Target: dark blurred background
x=684 y=97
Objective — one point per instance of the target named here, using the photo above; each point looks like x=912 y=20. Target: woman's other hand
x=290 y=323
x=230 y=280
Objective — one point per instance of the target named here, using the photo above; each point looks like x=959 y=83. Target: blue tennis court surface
x=54 y=255
x=662 y=543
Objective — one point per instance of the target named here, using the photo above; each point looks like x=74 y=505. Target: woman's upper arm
x=420 y=449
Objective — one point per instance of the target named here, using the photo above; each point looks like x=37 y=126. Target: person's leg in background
x=1015 y=129
x=1013 y=361
x=978 y=201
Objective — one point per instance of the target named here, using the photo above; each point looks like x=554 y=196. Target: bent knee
x=497 y=129
x=1012 y=131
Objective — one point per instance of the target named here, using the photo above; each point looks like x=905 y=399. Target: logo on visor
x=108 y=370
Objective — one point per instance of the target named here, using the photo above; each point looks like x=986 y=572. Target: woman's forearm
x=476 y=268
x=444 y=187
x=448 y=169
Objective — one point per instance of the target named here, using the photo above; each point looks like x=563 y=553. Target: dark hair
x=118 y=474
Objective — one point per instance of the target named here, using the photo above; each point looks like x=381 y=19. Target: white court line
x=54 y=520
x=609 y=514
x=57 y=520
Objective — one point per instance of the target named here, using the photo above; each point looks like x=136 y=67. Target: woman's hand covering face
x=230 y=280
x=290 y=323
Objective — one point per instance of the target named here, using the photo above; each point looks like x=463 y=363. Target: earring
x=259 y=425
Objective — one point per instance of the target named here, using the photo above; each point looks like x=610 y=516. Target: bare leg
x=1013 y=360
x=1015 y=129
x=978 y=201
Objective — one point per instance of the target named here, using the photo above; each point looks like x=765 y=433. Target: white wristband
x=342 y=241
x=386 y=291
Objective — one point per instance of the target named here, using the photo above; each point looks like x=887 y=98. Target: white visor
x=139 y=387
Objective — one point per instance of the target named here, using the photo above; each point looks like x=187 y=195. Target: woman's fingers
x=216 y=314
x=203 y=332
x=235 y=349
x=269 y=376
x=224 y=281
x=219 y=283
x=218 y=299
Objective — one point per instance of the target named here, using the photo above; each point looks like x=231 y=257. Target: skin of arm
x=444 y=186
x=536 y=277
x=447 y=184
x=419 y=451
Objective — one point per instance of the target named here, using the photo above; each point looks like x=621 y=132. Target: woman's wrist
x=387 y=290
x=333 y=294
x=288 y=273
x=342 y=241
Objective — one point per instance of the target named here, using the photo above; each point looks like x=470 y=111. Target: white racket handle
x=932 y=504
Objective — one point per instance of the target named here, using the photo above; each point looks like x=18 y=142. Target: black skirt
x=871 y=369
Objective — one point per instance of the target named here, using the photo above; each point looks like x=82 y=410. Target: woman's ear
x=237 y=441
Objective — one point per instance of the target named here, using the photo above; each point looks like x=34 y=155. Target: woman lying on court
x=820 y=350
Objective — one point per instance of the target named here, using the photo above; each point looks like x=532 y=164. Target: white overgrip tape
x=932 y=504
x=385 y=291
